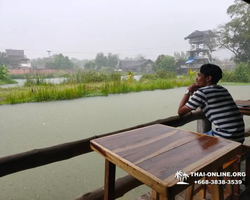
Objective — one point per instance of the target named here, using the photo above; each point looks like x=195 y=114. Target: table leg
x=217 y=189
x=109 y=183
x=157 y=196
x=248 y=171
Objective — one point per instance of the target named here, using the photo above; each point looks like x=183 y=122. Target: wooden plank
x=180 y=157
x=168 y=146
x=244 y=106
x=146 y=133
x=243 y=103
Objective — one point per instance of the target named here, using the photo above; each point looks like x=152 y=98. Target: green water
x=38 y=125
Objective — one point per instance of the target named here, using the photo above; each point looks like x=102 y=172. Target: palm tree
x=179 y=175
x=185 y=176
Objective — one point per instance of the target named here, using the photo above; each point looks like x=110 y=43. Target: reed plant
x=92 y=76
x=137 y=86
x=52 y=92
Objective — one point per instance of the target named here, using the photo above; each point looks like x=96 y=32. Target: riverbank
x=63 y=91
x=38 y=90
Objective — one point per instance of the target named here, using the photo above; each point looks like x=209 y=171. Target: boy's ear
x=208 y=78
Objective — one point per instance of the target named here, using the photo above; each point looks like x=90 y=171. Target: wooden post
x=203 y=125
x=109 y=184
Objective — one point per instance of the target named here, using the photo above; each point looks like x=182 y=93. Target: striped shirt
x=220 y=109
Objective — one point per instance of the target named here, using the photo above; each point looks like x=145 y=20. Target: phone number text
x=218 y=182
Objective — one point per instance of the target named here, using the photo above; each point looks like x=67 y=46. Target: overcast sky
x=82 y=28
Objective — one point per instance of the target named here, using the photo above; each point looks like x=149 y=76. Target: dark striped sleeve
x=198 y=99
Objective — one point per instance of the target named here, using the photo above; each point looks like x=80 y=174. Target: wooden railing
x=39 y=157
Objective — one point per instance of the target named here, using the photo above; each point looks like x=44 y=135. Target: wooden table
x=244 y=106
x=153 y=155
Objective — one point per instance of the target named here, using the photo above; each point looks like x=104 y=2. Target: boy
x=216 y=103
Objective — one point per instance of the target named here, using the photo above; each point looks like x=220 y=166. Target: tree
x=112 y=60
x=235 y=35
x=139 y=57
x=180 y=55
x=3 y=72
x=56 y=62
x=79 y=63
x=62 y=62
x=41 y=61
x=101 y=60
x=180 y=58
x=165 y=63
x=89 y=65
x=3 y=58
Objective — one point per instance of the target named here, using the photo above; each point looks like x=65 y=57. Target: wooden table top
x=244 y=106
x=153 y=154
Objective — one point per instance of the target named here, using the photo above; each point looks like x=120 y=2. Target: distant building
x=143 y=65
x=17 y=59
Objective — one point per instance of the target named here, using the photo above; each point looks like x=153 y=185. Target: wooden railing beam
x=122 y=186
x=38 y=157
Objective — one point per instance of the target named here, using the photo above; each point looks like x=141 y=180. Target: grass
x=38 y=91
x=233 y=83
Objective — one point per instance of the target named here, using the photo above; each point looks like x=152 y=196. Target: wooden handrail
x=38 y=157
x=122 y=186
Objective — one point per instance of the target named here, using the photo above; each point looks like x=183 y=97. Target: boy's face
x=202 y=80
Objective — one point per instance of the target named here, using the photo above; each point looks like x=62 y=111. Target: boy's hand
x=193 y=87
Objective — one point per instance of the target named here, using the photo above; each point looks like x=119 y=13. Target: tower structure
x=201 y=48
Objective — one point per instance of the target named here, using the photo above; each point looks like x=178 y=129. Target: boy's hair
x=211 y=70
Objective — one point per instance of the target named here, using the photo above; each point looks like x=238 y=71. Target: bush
x=242 y=72
x=229 y=76
x=165 y=74
x=3 y=72
x=115 y=76
x=4 y=76
x=148 y=77
x=92 y=76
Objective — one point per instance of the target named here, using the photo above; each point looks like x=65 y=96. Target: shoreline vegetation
x=88 y=84
x=7 y=81
x=91 y=84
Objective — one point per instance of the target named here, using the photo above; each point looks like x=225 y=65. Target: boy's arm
x=183 y=109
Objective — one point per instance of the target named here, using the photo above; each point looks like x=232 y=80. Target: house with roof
x=142 y=65
x=17 y=59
